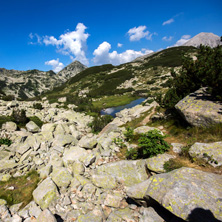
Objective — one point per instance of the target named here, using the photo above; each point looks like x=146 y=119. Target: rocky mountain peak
x=71 y=70
x=204 y=38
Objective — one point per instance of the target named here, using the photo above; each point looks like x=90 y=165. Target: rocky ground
x=82 y=178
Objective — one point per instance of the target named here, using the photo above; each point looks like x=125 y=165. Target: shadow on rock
x=202 y=215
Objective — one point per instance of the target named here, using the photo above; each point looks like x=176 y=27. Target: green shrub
x=119 y=142
x=132 y=153
x=37 y=106
x=36 y=120
x=100 y=122
x=151 y=144
x=128 y=134
x=5 y=141
x=19 y=117
x=8 y=98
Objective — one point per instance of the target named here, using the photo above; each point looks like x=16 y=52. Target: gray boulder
x=150 y=215
x=46 y=216
x=9 y=126
x=73 y=154
x=93 y=216
x=104 y=181
x=128 y=172
x=186 y=189
x=198 y=109
x=156 y=163
x=45 y=193
x=62 y=140
x=88 y=142
x=61 y=176
x=211 y=152
x=32 y=127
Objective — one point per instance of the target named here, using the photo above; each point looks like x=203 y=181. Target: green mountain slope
x=138 y=78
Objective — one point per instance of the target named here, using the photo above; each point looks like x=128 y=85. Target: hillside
x=142 y=77
x=31 y=83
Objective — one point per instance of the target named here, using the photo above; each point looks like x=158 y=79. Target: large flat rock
x=198 y=109
x=185 y=190
x=128 y=172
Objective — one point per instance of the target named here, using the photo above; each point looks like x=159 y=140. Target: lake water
x=113 y=110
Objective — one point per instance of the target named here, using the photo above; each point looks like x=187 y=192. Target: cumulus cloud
x=167 y=39
x=137 y=33
x=168 y=21
x=72 y=43
x=183 y=40
x=35 y=39
x=102 y=55
x=119 y=45
x=56 y=65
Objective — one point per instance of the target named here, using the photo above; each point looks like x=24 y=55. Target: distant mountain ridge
x=204 y=38
x=71 y=70
x=27 y=84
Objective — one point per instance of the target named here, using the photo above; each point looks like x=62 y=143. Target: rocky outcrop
x=198 y=109
x=204 y=38
x=184 y=190
x=211 y=152
x=71 y=70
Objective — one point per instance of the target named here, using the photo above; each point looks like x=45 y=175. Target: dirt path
x=147 y=118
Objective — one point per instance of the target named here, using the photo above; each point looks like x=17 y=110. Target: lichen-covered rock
x=88 y=142
x=61 y=176
x=78 y=168
x=6 y=164
x=104 y=181
x=46 y=216
x=121 y=215
x=45 y=193
x=9 y=126
x=62 y=140
x=156 y=163
x=128 y=172
x=93 y=216
x=32 y=127
x=183 y=190
x=150 y=215
x=73 y=154
x=138 y=191
x=177 y=147
x=198 y=109
x=112 y=201
x=211 y=152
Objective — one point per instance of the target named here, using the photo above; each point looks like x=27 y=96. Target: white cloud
x=102 y=55
x=137 y=33
x=72 y=43
x=119 y=45
x=35 y=39
x=168 y=21
x=165 y=38
x=183 y=40
x=56 y=65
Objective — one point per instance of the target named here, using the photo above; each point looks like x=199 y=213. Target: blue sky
x=50 y=34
